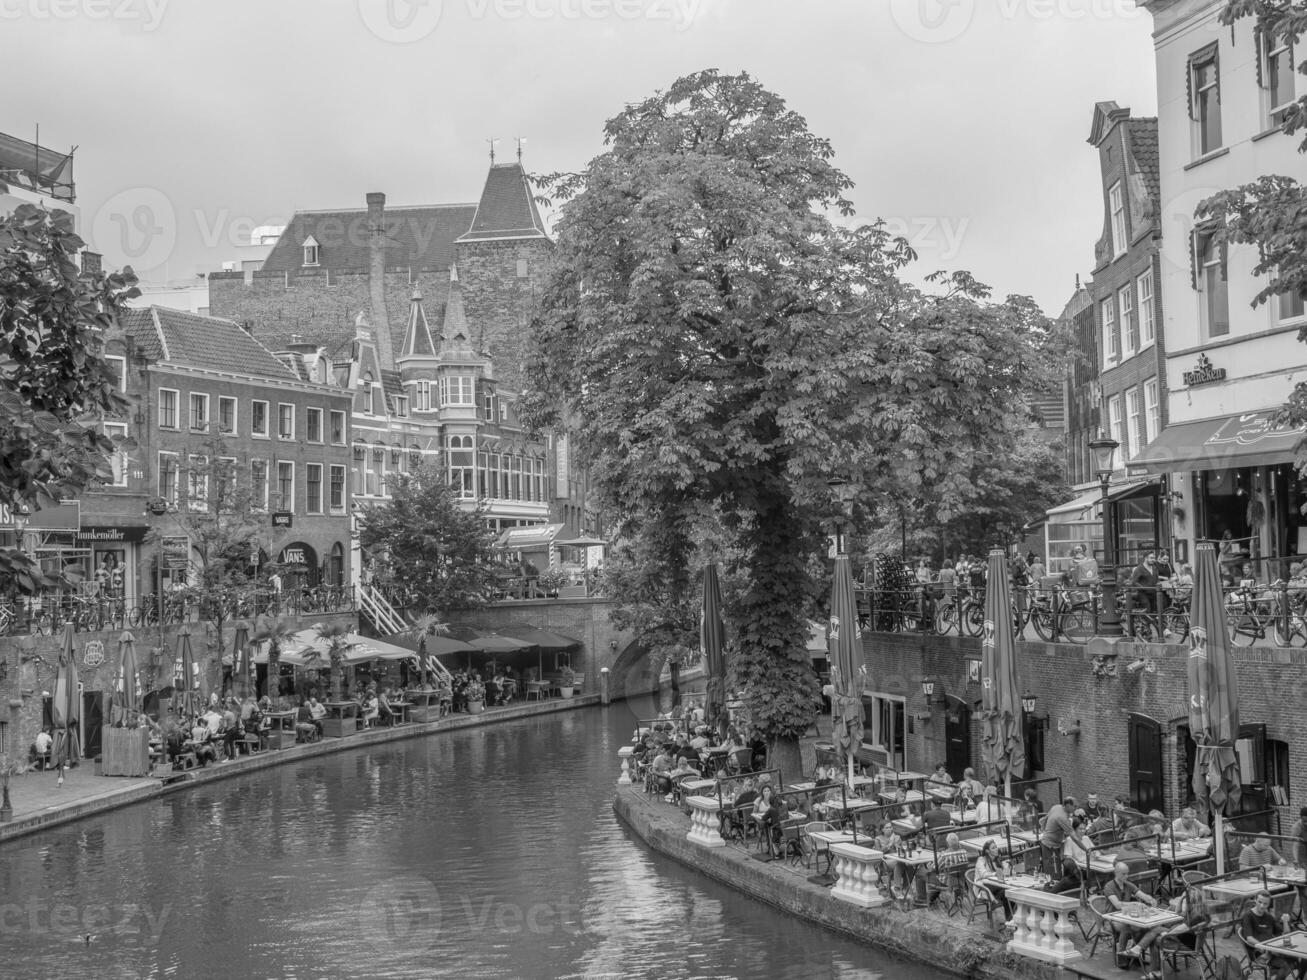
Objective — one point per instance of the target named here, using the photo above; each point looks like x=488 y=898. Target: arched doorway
x=336 y=565
x=1145 y=736
x=957 y=736
x=299 y=563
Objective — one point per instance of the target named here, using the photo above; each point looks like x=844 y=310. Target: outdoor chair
x=944 y=889
x=792 y=843
x=1094 y=927
x=1177 y=954
x=981 y=898
x=1254 y=961
x=808 y=847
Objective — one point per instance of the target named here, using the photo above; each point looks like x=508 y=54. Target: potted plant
x=8 y=767
x=566 y=681
x=551 y=580
x=475 y=692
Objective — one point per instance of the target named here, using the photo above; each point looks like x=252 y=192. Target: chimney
x=377 y=277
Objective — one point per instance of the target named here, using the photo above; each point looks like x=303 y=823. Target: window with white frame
x=1152 y=410
x=1277 y=77
x=313 y=488
x=169 y=468
x=1205 y=100
x=1134 y=410
x=199 y=412
x=168 y=408
x=118 y=366
x=338 y=432
x=462 y=466
x=1125 y=302
x=401 y=406
x=197 y=482
x=457 y=390
x=310 y=247
x=886 y=725
x=259 y=419
x=259 y=484
x=118 y=460
x=1289 y=306
x=422 y=397
x=285 y=485
x=285 y=420
x=1116 y=427
x=1116 y=204
x=1209 y=280
x=1111 y=340
x=337 y=498
x=1147 y=332
x=226 y=415
x=313 y=424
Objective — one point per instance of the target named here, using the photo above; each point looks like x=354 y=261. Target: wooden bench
x=249 y=744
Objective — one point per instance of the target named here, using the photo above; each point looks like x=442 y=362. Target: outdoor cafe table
x=281 y=729
x=1292 y=945
x=904 y=827
x=402 y=709
x=1137 y=915
x=941 y=792
x=1242 y=889
x=341 y=719
x=977 y=844
x=911 y=796
x=916 y=860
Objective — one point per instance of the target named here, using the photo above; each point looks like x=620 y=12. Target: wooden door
x=957 y=737
x=1145 y=736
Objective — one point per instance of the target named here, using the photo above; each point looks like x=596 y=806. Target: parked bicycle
x=1062 y=613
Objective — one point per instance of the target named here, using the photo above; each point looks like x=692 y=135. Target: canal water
x=490 y=852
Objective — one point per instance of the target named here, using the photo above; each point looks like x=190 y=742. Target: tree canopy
x=424 y=538
x=717 y=341
x=55 y=383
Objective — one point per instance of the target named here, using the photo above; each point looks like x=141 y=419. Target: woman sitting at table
x=940 y=776
x=305 y=729
x=1071 y=881
x=990 y=865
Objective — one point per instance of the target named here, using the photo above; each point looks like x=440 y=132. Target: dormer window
x=310 y=251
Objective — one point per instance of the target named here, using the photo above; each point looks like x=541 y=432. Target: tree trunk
x=272 y=687
x=337 y=675
x=676 y=683
x=784 y=754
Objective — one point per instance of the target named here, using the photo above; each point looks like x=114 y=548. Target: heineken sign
x=1204 y=374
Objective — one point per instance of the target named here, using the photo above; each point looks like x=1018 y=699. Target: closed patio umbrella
x=242 y=658
x=844 y=641
x=127 y=691
x=67 y=707
x=184 y=687
x=712 y=638
x=1003 y=747
x=1213 y=697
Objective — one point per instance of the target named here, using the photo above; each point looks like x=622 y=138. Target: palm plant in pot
x=338 y=645
x=274 y=632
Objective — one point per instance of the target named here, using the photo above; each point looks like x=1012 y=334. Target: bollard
x=604 y=697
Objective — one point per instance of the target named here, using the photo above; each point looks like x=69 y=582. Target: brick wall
x=498 y=301
x=1270 y=682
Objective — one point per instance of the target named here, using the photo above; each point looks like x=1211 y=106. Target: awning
x=582 y=542
x=1074 y=510
x=535 y=536
x=299 y=650
x=545 y=639
x=1247 y=439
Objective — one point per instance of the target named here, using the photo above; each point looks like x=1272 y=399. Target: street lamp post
x=843 y=491
x=1103 y=448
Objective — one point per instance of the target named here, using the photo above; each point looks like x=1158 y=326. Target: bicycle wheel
x=1141 y=627
x=1243 y=628
x=1077 y=625
x=1041 y=617
x=1177 y=621
x=1290 y=632
x=973 y=619
x=946 y=618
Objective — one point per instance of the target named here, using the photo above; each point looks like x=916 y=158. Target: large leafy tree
x=423 y=538
x=714 y=339
x=1271 y=211
x=54 y=381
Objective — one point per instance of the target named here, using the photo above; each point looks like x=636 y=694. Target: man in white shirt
x=1189 y=826
x=40 y=751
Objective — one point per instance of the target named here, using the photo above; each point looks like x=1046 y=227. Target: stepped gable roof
x=416 y=238
x=507 y=208
x=417 y=337
x=201 y=342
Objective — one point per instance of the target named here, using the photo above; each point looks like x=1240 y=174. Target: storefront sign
x=52 y=516
x=281 y=518
x=176 y=553
x=93 y=653
x=293 y=556
x=111 y=535
x=1204 y=374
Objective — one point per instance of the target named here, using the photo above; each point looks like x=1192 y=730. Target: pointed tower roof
x=507 y=209
x=417 y=336
x=455 y=336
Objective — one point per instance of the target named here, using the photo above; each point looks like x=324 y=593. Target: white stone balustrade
x=1043 y=925
x=625 y=753
x=858 y=871
x=705 y=821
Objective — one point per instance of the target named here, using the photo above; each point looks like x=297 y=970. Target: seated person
x=1260 y=925
x=1188 y=904
x=940 y=776
x=1102 y=828
x=1258 y=853
x=387 y=714
x=201 y=743
x=1070 y=881
x=305 y=729
x=319 y=711
x=970 y=788
x=371 y=706
x=991 y=864
x=1188 y=826
x=936 y=817
x=662 y=769
x=1133 y=851
x=1119 y=891
x=39 y=754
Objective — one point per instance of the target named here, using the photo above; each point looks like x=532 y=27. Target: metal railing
x=46 y=614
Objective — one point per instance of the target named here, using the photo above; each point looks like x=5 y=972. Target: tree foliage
x=54 y=381
x=423 y=538
x=1271 y=211
x=716 y=341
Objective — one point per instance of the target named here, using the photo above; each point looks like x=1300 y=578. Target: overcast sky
x=962 y=122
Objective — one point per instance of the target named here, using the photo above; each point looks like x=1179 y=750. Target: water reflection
x=491 y=852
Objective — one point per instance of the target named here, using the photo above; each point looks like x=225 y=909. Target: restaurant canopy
x=535 y=537
x=306 y=648
x=1081 y=507
x=1245 y=439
